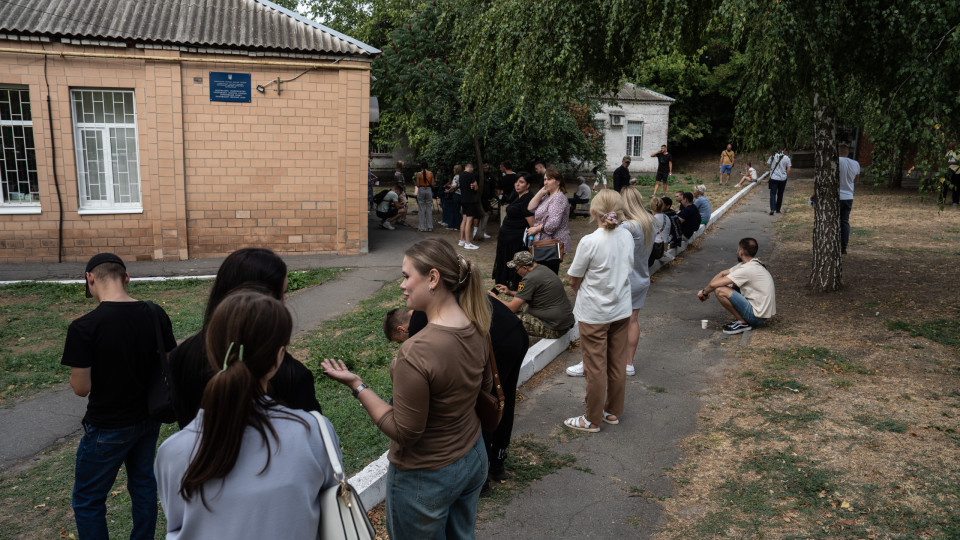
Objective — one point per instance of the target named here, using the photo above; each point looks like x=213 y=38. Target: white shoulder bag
x=342 y=515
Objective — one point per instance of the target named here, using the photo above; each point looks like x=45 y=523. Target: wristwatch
x=359 y=389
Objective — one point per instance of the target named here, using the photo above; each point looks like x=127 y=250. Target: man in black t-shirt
x=111 y=352
x=664 y=168
x=621 y=175
x=507 y=179
x=689 y=215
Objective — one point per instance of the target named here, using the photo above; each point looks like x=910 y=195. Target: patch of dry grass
x=860 y=438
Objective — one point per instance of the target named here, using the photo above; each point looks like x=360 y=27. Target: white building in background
x=635 y=126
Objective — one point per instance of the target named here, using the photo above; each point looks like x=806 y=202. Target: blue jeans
x=424 y=505
x=451 y=210
x=776 y=194
x=99 y=456
x=845 y=208
x=744 y=309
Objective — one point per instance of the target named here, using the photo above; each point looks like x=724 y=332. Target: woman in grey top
x=245 y=467
x=640 y=224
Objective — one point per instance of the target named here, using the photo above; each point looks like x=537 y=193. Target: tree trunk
x=895 y=180
x=827 y=264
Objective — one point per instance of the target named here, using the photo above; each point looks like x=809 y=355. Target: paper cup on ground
x=704 y=323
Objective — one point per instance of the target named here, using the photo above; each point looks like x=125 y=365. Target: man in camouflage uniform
x=540 y=301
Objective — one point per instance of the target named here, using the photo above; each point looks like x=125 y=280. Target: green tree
x=420 y=81
x=803 y=67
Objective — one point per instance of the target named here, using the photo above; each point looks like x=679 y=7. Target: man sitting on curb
x=390 y=208
x=701 y=202
x=548 y=313
x=689 y=215
x=746 y=290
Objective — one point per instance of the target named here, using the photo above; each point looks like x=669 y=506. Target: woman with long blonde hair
x=640 y=225
x=438 y=463
x=600 y=275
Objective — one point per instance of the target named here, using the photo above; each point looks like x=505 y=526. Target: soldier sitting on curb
x=548 y=313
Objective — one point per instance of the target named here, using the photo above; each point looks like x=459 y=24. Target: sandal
x=580 y=423
x=606 y=418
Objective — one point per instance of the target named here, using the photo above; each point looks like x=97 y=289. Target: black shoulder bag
x=159 y=396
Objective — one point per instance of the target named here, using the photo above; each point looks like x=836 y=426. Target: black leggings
x=509 y=350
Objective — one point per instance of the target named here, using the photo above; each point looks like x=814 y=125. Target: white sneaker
x=631 y=371
x=486 y=236
x=461 y=243
x=470 y=246
x=388 y=225
x=442 y=224
x=575 y=370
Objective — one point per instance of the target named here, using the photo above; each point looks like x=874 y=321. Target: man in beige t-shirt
x=756 y=300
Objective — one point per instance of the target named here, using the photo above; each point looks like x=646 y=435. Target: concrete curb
x=371 y=482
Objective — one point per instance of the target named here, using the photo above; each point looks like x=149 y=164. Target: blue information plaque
x=234 y=87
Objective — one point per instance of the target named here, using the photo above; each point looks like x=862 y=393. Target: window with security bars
x=635 y=139
x=108 y=165
x=18 y=159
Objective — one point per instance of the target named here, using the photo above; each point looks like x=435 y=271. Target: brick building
x=167 y=129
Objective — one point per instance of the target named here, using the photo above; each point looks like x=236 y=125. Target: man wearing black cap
x=111 y=352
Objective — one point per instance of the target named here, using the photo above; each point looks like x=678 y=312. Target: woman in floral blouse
x=551 y=214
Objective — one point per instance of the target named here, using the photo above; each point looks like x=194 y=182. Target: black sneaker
x=486 y=490
x=497 y=472
x=736 y=327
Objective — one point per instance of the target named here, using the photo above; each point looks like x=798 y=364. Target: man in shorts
x=547 y=313
x=745 y=290
x=664 y=168
x=726 y=163
x=111 y=352
x=469 y=205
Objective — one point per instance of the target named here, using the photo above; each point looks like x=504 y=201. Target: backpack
x=675 y=231
x=378 y=198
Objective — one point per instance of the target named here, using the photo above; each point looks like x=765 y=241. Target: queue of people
x=242 y=401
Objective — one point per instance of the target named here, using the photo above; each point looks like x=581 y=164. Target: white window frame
x=19 y=207
x=110 y=205
x=631 y=144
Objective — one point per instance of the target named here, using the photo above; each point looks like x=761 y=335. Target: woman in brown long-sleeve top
x=437 y=460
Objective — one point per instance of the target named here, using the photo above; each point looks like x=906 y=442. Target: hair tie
x=461 y=263
x=227 y=356
x=611 y=217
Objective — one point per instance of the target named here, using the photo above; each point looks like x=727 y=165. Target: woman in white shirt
x=600 y=275
x=245 y=467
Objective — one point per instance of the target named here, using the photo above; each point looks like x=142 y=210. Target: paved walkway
x=44 y=420
x=674 y=354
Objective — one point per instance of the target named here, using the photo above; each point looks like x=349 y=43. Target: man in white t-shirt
x=746 y=290
x=849 y=173
x=780 y=166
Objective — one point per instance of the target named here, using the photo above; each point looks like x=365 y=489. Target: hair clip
x=227 y=356
x=461 y=262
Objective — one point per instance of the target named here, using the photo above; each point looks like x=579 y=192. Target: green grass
x=528 y=460
x=943 y=331
x=772 y=384
x=357 y=339
x=785 y=358
x=657 y=389
x=36 y=501
x=34 y=317
x=881 y=424
x=308 y=278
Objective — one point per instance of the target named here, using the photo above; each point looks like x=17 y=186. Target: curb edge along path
x=47 y=419
x=621 y=472
x=370 y=482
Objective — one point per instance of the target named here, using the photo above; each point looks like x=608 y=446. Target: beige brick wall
x=286 y=171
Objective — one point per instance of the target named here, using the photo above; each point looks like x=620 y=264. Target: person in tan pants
x=600 y=275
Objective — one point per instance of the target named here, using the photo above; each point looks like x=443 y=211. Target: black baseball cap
x=96 y=261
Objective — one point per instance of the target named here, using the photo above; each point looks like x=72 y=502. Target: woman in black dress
x=510 y=239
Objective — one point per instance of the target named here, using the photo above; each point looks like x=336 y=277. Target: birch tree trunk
x=827 y=268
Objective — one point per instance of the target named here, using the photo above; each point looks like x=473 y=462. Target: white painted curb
x=371 y=482
x=72 y=281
